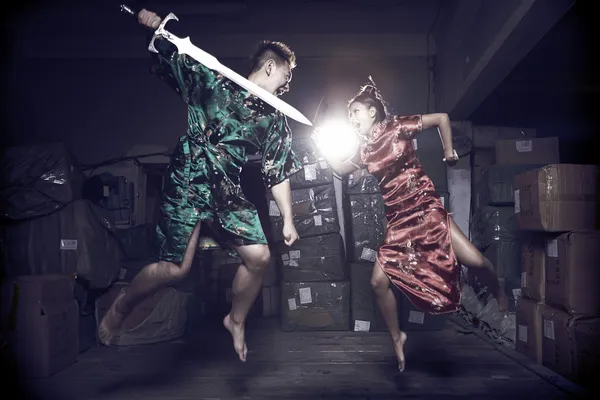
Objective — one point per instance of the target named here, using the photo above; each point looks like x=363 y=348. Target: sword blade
x=185 y=46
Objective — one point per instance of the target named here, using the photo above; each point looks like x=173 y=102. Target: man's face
x=280 y=77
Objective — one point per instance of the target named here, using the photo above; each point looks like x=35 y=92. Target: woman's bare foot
x=108 y=330
x=237 y=333
x=399 y=349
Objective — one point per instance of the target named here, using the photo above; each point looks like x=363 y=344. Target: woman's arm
x=441 y=121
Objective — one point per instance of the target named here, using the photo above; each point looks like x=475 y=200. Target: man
x=225 y=124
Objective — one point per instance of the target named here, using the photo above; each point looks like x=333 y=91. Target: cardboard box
x=572 y=273
x=496 y=186
x=315 y=306
x=41 y=323
x=527 y=151
x=557 y=198
x=486 y=136
x=556 y=341
x=529 y=329
x=533 y=265
x=586 y=350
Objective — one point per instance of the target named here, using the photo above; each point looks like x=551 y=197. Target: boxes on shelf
x=527 y=151
x=485 y=136
x=572 y=273
x=529 y=329
x=557 y=198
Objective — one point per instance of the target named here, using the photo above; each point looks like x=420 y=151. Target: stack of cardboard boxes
x=315 y=292
x=493 y=226
x=558 y=317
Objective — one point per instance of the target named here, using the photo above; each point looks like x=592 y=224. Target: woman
x=423 y=246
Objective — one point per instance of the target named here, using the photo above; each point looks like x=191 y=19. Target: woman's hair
x=369 y=95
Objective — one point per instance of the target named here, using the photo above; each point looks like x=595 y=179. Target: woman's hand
x=451 y=158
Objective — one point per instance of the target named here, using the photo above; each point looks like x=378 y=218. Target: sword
x=185 y=46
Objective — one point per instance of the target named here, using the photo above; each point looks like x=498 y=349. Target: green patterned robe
x=225 y=125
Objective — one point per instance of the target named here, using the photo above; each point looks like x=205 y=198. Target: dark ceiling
x=556 y=83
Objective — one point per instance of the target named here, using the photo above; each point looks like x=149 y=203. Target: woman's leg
x=389 y=308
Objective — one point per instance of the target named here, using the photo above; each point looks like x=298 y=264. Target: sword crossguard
x=161 y=31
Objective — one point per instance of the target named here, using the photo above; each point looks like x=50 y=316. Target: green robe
x=225 y=125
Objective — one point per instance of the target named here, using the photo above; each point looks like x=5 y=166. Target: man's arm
x=282 y=194
x=441 y=121
x=182 y=73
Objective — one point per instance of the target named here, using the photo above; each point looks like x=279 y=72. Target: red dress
x=416 y=253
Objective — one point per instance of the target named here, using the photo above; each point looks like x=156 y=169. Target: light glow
x=336 y=139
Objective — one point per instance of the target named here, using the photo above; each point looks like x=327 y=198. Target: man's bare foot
x=399 y=349
x=108 y=330
x=237 y=333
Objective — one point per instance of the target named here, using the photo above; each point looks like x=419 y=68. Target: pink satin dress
x=417 y=252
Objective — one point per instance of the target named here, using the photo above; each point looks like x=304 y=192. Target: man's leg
x=145 y=283
x=246 y=286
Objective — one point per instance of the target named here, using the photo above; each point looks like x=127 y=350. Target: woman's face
x=362 y=117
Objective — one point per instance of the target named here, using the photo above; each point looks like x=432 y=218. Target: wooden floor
x=453 y=363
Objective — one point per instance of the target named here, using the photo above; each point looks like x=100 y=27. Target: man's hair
x=268 y=50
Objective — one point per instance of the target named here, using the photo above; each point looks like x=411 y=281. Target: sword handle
x=128 y=10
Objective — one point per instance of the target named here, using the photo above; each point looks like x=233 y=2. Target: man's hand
x=289 y=233
x=149 y=19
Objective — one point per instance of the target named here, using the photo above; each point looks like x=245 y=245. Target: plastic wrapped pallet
x=496 y=186
x=37 y=180
x=361 y=182
x=315 y=306
x=78 y=239
x=491 y=224
x=366 y=227
x=316 y=258
x=365 y=312
x=315 y=212
x=414 y=319
x=315 y=171
x=138 y=242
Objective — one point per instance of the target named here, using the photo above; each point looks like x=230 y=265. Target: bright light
x=336 y=139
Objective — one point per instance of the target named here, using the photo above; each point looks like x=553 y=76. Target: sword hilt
x=128 y=10
x=161 y=28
